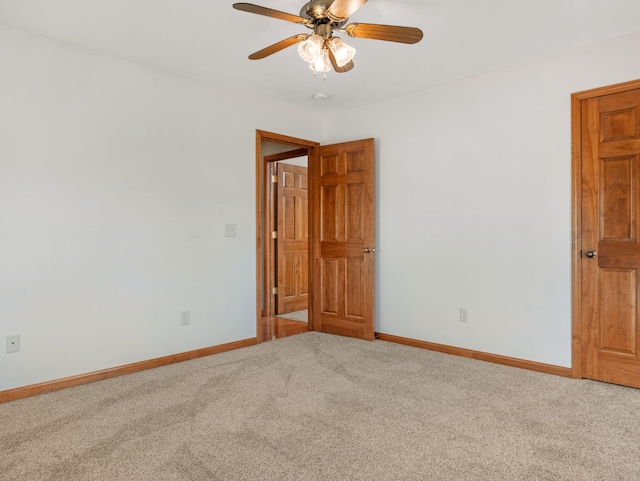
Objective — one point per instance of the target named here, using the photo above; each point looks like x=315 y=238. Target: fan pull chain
x=315 y=74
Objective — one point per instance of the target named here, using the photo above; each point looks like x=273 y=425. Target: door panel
x=354 y=212
x=331 y=292
x=617 y=183
x=345 y=222
x=610 y=151
x=354 y=302
x=330 y=208
x=619 y=307
x=292 y=238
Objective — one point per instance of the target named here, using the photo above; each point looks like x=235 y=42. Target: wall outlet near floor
x=13 y=344
x=464 y=314
x=184 y=318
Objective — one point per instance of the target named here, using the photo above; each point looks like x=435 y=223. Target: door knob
x=366 y=250
x=591 y=254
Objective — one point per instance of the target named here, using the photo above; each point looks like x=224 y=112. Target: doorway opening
x=284 y=235
x=340 y=236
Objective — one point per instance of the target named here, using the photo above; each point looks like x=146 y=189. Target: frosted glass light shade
x=311 y=48
x=321 y=63
x=342 y=52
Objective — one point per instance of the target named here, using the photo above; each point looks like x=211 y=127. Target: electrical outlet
x=13 y=344
x=229 y=230
x=184 y=318
x=464 y=314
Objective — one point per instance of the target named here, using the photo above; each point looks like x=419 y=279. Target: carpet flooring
x=322 y=407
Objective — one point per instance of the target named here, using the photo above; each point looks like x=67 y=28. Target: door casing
x=265 y=256
x=576 y=241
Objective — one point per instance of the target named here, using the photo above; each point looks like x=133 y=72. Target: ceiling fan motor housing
x=316 y=11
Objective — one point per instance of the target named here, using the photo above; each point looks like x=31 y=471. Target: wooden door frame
x=576 y=211
x=264 y=197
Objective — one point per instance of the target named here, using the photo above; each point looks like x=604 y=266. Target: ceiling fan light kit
x=315 y=51
x=321 y=49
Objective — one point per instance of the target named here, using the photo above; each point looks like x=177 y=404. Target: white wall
x=474 y=203
x=116 y=181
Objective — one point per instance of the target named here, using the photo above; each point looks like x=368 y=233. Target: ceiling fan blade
x=276 y=47
x=344 y=68
x=343 y=9
x=390 y=33
x=268 y=12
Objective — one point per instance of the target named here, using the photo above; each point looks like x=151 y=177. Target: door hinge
x=274 y=291
x=274 y=179
x=274 y=234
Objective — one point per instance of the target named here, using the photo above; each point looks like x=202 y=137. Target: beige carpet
x=320 y=407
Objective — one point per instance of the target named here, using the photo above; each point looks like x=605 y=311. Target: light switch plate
x=229 y=230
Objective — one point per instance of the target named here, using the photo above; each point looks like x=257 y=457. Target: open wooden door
x=343 y=221
x=610 y=237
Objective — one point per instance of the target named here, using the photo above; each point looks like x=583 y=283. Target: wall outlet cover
x=13 y=344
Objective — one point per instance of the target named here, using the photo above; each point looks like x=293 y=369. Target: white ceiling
x=210 y=41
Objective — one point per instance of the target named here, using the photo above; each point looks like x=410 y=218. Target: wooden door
x=610 y=248
x=292 y=238
x=344 y=241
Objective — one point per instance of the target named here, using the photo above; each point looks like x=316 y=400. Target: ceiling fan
x=321 y=49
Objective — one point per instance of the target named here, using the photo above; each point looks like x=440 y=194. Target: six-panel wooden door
x=610 y=244
x=344 y=243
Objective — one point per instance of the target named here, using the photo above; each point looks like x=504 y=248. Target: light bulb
x=342 y=52
x=311 y=48
x=321 y=62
